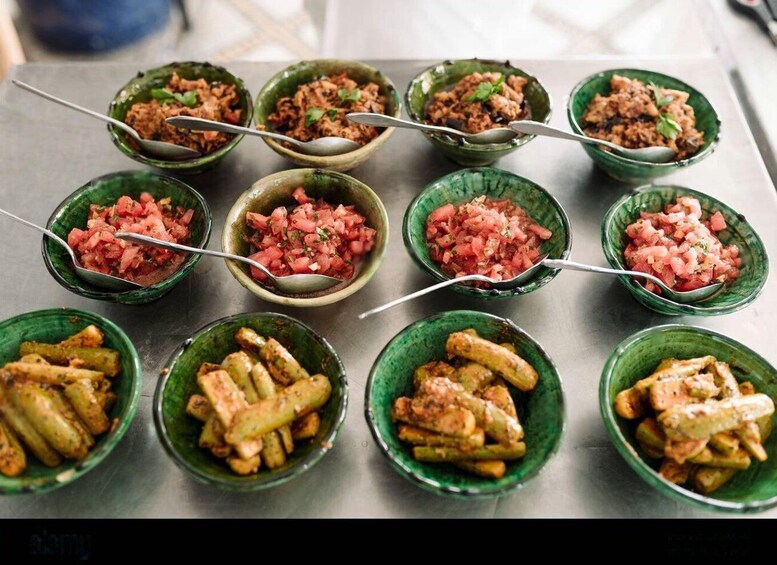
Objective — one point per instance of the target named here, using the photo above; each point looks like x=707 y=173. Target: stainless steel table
x=46 y=152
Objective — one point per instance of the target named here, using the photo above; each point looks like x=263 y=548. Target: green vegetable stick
x=35 y=442
x=509 y=365
x=447 y=454
x=101 y=359
x=281 y=364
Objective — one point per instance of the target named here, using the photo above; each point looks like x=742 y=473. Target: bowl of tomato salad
x=486 y=221
x=307 y=221
x=689 y=240
x=136 y=201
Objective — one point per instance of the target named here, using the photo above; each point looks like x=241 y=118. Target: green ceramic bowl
x=179 y=432
x=275 y=190
x=636 y=357
x=106 y=190
x=285 y=83
x=139 y=90
x=52 y=326
x=464 y=185
x=735 y=296
x=629 y=170
x=444 y=76
x=541 y=411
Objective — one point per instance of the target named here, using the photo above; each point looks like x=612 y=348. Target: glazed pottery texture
x=462 y=186
x=629 y=170
x=540 y=411
x=139 y=90
x=179 y=432
x=444 y=76
x=286 y=82
x=734 y=296
x=275 y=190
x=53 y=326
x=636 y=357
x=106 y=190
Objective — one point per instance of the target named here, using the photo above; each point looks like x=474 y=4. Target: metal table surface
x=46 y=152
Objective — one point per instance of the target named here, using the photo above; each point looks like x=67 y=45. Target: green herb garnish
x=322 y=235
x=345 y=95
x=313 y=115
x=332 y=113
x=188 y=98
x=485 y=90
x=668 y=126
x=660 y=99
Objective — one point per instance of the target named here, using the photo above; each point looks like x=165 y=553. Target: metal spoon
x=108 y=282
x=322 y=147
x=495 y=135
x=291 y=284
x=162 y=149
x=646 y=154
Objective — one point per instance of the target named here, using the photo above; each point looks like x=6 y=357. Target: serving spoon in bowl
x=108 y=282
x=161 y=149
x=655 y=154
x=321 y=147
x=682 y=297
x=488 y=137
x=290 y=284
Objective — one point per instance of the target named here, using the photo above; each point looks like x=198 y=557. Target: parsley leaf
x=332 y=113
x=485 y=90
x=345 y=95
x=313 y=115
x=660 y=99
x=188 y=98
x=668 y=126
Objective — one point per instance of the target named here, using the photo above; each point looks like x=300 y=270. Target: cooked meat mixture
x=215 y=101
x=637 y=115
x=318 y=109
x=479 y=102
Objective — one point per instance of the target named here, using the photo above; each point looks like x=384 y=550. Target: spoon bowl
x=161 y=149
x=323 y=146
x=291 y=284
x=488 y=137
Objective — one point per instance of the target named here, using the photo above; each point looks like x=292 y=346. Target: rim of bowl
x=434 y=271
x=181 y=165
x=164 y=284
x=698 y=156
x=513 y=143
x=332 y=160
x=430 y=484
x=633 y=286
x=358 y=282
x=260 y=484
x=623 y=446
x=98 y=454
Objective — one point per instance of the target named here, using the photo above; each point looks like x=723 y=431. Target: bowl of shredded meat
x=199 y=90
x=636 y=109
x=310 y=100
x=307 y=221
x=473 y=96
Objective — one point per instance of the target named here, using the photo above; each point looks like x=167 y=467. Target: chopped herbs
x=345 y=95
x=485 y=90
x=661 y=100
x=188 y=98
x=667 y=126
x=313 y=115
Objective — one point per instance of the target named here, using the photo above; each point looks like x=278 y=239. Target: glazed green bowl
x=636 y=357
x=464 y=185
x=138 y=89
x=541 y=411
x=53 y=326
x=106 y=190
x=444 y=76
x=734 y=296
x=285 y=83
x=275 y=190
x=629 y=170
x=179 y=433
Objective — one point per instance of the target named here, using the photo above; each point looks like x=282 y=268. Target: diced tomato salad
x=494 y=238
x=680 y=248
x=315 y=237
x=99 y=250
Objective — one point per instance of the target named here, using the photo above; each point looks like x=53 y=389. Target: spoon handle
x=144 y=239
x=537 y=128
x=383 y=121
x=76 y=107
x=421 y=292
x=199 y=124
x=572 y=266
x=45 y=231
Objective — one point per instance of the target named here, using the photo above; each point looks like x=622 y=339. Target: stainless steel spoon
x=647 y=154
x=322 y=147
x=495 y=135
x=162 y=149
x=291 y=284
x=108 y=282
